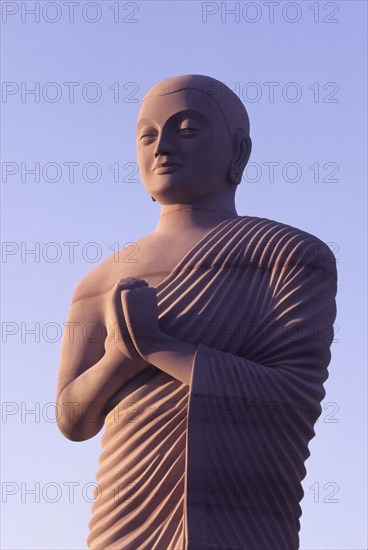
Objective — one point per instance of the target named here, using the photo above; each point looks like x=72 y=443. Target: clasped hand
x=136 y=314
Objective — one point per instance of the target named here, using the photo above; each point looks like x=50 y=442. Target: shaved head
x=214 y=94
x=201 y=127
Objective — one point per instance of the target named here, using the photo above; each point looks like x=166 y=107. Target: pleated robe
x=218 y=464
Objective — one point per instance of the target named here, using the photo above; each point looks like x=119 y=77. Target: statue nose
x=163 y=152
x=163 y=147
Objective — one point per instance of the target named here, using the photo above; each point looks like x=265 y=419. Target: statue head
x=192 y=139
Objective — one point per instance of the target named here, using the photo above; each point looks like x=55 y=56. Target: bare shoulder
x=125 y=262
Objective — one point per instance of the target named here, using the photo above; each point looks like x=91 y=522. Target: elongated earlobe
x=243 y=148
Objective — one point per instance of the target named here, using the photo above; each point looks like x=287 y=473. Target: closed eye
x=147 y=137
x=188 y=132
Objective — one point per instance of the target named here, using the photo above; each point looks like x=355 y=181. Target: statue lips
x=166 y=167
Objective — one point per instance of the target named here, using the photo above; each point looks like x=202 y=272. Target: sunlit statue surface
x=205 y=357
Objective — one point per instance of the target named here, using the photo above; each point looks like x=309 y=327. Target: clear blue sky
x=300 y=71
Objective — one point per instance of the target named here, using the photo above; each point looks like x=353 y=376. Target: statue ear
x=242 y=151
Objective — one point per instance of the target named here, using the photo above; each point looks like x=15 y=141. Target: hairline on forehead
x=150 y=95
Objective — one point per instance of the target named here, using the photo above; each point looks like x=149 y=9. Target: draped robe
x=218 y=464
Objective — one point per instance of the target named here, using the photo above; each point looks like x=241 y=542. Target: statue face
x=183 y=147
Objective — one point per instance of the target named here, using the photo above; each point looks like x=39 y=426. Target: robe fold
x=218 y=464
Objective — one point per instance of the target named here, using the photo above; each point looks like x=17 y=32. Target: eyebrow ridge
x=191 y=112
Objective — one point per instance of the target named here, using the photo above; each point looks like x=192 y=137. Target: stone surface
x=208 y=354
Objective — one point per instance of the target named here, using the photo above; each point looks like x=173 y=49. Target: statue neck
x=177 y=218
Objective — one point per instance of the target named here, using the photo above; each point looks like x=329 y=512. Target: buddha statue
x=205 y=358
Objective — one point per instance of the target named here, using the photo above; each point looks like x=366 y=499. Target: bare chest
x=153 y=258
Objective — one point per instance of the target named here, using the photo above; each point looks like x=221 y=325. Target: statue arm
x=172 y=356
x=291 y=365
x=286 y=368
x=89 y=376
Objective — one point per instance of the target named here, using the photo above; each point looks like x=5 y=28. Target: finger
x=126 y=281
x=143 y=289
x=132 y=281
x=137 y=289
x=125 y=292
